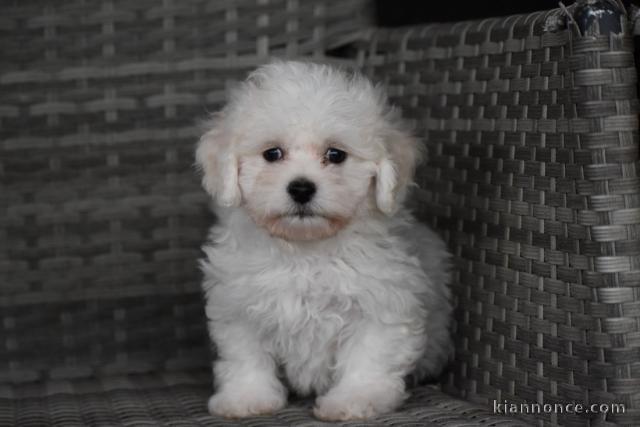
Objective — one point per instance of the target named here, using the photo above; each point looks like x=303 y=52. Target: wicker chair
x=531 y=128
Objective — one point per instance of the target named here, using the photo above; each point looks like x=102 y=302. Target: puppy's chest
x=305 y=306
x=302 y=300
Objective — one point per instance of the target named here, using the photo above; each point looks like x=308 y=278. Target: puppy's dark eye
x=333 y=155
x=273 y=154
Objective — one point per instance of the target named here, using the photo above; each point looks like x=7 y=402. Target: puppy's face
x=306 y=150
x=304 y=185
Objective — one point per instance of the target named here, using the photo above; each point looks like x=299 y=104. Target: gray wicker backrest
x=533 y=178
x=101 y=212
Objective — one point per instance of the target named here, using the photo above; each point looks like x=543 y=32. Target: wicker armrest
x=531 y=130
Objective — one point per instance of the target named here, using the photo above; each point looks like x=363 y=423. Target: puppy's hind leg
x=245 y=375
x=371 y=371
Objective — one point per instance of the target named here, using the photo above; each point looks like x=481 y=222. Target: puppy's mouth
x=301 y=212
x=303 y=223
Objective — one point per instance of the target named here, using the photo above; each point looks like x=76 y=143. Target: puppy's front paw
x=246 y=402
x=357 y=403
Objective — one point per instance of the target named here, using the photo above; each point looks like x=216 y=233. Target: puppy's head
x=306 y=149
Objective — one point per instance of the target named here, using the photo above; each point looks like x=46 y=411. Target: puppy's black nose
x=301 y=190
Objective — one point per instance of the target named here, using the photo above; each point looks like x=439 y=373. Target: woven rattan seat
x=531 y=128
x=176 y=399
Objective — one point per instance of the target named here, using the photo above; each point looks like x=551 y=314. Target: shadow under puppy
x=315 y=271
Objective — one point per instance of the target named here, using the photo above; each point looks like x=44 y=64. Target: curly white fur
x=344 y=301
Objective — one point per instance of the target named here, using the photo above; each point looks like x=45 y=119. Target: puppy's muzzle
x=301 y=190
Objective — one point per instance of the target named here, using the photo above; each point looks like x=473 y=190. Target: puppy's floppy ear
x=396 y=168
x=218 y=163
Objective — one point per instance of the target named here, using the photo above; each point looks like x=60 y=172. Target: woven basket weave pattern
x=101 y=211
x=533 y=178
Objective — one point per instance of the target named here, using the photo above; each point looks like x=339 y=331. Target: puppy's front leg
x=245 y=375
x=372 y=367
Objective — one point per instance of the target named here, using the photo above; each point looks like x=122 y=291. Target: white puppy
x=315 y=274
